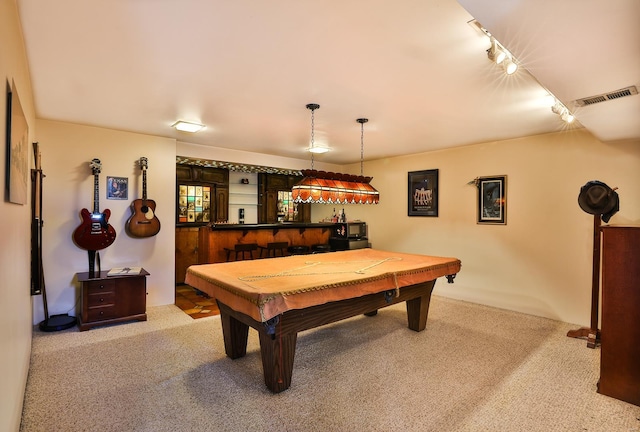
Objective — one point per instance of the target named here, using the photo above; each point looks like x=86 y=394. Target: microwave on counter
x=350 y=230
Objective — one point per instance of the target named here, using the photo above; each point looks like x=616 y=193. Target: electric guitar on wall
x=143 y=221
x=94 y=233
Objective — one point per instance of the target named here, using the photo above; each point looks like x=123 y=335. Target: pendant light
x=323 y=187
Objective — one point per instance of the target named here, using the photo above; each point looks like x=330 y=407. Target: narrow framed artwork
x=423 y=193
x=117 y=188
x=492 y=200
x=17 y=157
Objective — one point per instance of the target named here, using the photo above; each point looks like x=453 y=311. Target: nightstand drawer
x=100 y=286
x=101 y=313
x=107 y=298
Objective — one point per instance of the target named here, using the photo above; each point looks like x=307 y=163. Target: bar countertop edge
x=284 y=225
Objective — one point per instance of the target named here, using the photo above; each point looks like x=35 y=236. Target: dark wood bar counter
x=215 y=239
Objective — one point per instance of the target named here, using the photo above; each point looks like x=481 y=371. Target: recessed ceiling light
x=186 y=126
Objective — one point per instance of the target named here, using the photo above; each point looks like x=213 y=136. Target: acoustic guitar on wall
x=94 y=233
x=143 y=221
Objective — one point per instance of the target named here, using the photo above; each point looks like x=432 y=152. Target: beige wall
x=67 y=150
x=15 y=298
x=540 y=262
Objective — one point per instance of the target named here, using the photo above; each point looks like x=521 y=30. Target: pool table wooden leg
x=277 y=359
x=235 y=334
x=418 y=310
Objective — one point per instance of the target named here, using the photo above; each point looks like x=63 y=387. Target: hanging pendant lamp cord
x=362 y=149
x=312 y=135
x=362 y=121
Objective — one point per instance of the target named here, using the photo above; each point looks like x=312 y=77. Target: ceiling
x=416 y=69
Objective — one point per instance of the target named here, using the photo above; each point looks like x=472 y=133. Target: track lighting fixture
x=563 y=112
x=498 y=54
x=495 y=52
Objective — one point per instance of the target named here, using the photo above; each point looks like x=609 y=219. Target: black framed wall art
x=17 y=157
x=492 y=200
x=423 y=193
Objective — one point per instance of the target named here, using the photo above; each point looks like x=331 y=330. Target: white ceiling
x=415 y=68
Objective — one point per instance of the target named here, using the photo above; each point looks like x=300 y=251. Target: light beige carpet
x=473 y=369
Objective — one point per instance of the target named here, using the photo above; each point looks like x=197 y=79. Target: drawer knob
x=101 y=299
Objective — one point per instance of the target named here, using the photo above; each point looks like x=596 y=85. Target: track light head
x=563 y=112
x=496 y=53
x=567 y=117
x=510 y=67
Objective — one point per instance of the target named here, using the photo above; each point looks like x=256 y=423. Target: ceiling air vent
x=627 y=91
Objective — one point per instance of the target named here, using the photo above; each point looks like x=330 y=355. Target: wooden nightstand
x=111 y=299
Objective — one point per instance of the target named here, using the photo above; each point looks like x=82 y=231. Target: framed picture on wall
x=423 y=193
x=117 y=188
x=492 y=200
x=17 y=145
x=194 y=204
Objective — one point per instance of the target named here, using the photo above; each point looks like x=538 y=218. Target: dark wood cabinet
x=222 y=204
x=186 y=250
x=111 y=299
x=193 y=173
x=271 y=207
x=202 y=195
x=268 y=187
x=620 y=323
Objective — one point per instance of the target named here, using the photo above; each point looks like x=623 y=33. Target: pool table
x=280 y=297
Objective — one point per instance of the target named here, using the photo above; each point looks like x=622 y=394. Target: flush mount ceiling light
x=334 y=188
x=313 y=148
x=186 y=126
x=318 y=149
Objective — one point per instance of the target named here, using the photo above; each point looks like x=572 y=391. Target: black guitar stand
x=94 y=258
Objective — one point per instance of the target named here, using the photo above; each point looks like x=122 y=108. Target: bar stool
x=298 y=250
x=273 y=248
x=320 y=248
x=241 y=249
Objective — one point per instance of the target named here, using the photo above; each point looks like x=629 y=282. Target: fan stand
x=57 y=323
x=54 y=322
x=592 y=333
